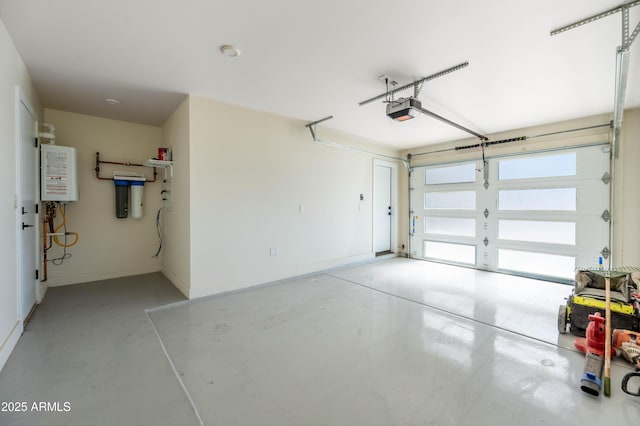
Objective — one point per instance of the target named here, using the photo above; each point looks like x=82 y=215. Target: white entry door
x=382 y=208
x=27 y=219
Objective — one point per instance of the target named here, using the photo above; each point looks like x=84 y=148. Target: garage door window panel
x=547 y=199
x=557 y=165
x=536 y=231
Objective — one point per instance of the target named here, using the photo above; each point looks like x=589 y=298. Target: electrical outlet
x=166 y=195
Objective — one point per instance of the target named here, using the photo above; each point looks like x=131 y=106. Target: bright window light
x=553 y=265
x=538 y=167
x=563 y=199
x=537 y=231
x=460 y=253
x=464 y=227
x=455 y=200
x=450 y=174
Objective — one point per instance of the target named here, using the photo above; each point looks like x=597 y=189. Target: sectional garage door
x=536 y=215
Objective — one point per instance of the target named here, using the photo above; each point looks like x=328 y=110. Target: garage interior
x=348 y=213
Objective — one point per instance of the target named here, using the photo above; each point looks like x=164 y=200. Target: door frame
x=21 y=99
x=394 y=203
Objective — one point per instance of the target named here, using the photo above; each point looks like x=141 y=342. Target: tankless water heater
x=58 y=173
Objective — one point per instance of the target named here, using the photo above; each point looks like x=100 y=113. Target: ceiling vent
x=403 y=109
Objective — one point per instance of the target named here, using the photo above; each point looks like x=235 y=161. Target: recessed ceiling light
x=112 y=101
x=229 y=51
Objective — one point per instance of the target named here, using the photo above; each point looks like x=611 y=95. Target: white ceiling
x=310 y=59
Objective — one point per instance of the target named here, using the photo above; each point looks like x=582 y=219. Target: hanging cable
x=51 y=233
x=159 y=231
x=60 y=260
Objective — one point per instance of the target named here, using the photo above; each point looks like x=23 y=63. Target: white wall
x=176 y=262
x=12 y=73
x=250 y=174
x=108 y=247
x=627 y=225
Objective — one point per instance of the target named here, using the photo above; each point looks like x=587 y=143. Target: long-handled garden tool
x=608 y=274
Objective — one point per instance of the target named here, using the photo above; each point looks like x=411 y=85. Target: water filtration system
x=129 y=187
x=137 y=197
x=128 y=183
x=122 y=198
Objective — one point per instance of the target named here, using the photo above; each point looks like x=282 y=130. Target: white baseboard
x=269 y=276
x=9 y=343
x=85 y=277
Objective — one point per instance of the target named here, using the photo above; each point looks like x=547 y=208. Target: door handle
x=26 y=226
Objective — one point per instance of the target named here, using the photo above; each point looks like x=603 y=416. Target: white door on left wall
x=382 y=208
x=26 y=206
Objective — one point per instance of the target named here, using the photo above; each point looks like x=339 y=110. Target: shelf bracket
x=164 y=164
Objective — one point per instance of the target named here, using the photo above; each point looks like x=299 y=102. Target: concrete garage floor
x=395 y=342
x=92 y=345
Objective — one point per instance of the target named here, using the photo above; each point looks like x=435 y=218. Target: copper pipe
x=99 y=161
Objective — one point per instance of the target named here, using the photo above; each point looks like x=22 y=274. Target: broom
x=607 y=337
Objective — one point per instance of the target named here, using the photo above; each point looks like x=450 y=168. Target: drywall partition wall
x=12 y=74
x=108 y=247
x=175 y=221
x=627 y=198
x=269 y=203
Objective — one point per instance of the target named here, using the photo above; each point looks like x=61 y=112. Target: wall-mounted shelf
x=166 y=165
x=152 y=162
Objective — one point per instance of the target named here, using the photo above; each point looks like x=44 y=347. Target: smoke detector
x=229 y=51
